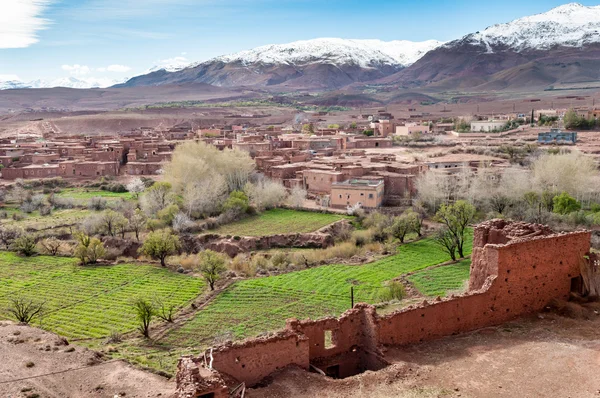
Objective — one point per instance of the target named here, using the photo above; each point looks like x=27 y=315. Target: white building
x=487 y=126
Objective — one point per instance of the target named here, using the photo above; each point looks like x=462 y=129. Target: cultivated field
x=279 y=221
x=254 y=306
x=89 y=302
x=94 y=302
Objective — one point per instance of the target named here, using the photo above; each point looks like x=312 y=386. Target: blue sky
x=110 y=39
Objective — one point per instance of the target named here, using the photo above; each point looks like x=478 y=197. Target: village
x=363 y=162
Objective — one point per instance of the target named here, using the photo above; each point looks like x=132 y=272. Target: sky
x=107 y=40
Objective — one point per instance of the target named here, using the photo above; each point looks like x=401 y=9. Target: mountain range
x=559 y=46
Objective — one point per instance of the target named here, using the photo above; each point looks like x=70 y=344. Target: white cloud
x=20 y=20
x=76 y=70
x=118 y=68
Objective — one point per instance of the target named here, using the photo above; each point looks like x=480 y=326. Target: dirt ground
x=542 y=356
x=27 y=354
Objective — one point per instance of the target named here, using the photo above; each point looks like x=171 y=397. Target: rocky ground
x=38 y=364
x=542 y=356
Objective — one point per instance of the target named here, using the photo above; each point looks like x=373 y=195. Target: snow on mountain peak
x=69 y=82
x=571 y=25
x=365 y=53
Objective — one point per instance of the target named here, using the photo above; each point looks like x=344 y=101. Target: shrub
x=392 y=291
x=362 y=237
x=51 y=246
x=97 y=203
x=280 y=260
x=25 y=245
x=565 y=204
x=88 y=249
x=243 y=264
x=237 y=202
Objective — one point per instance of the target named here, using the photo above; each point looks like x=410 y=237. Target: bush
x=280 y=260
x=51 y=246
x=392 y=291
x=61 y=203
x=97 y=203
x=243 y=264
x=237 y=202
x=89 y=250
x=25 y=245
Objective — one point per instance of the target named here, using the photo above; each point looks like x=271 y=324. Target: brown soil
x=33 y=362
x=543 y=356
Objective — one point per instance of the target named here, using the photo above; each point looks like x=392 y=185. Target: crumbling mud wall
x=510 y=279
x=253 y=360
x=516 y=269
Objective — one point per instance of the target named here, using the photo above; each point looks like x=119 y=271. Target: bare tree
x=445 y=239
x=25 y=310
x=297 y=197
x=265 y=194
x=51 y=246
x=164 y=310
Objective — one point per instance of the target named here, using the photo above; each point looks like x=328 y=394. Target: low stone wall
x=516 y=269
x=233 y=246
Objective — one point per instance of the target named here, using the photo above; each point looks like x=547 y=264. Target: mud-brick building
x=369 y=193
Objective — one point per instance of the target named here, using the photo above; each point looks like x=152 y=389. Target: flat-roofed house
x=369 y=193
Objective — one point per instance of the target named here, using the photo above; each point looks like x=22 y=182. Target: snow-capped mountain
x=171 y=65
x=570 y=25
x=364 y=53
x=539 y=51
x=320 y=63
x=69 y=82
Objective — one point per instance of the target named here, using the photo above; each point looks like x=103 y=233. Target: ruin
x=516 y=269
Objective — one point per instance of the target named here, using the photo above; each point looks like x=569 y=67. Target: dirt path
x=545 y=357
x=33 y=362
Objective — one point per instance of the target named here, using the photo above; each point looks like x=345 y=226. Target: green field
x=89 y=302
x=57 y=219
x=85 y=193
x=279 y=221
x=251 y=307
x=441 y=280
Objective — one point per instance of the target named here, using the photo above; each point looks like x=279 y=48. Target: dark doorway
x=333 y=371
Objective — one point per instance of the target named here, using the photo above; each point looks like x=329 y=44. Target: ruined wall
x=253 y=360
x=522 y=276
x=517 y=269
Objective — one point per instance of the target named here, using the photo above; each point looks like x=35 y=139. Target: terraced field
x=89 y=302
x=441 y=280
x=279 y=221
x=251 y=307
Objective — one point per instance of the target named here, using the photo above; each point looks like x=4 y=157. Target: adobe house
x=516 y=269
x=369 y=193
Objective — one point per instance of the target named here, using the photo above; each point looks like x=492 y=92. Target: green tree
x=160 y=244
x=237 y=201
x=211 y=265
x=144 y=312
x=565 y=204
x=88 y=249
x=457 y=217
